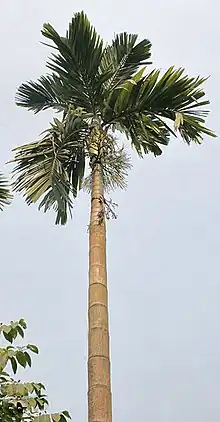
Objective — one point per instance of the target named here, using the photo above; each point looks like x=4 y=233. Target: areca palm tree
x=99 y=91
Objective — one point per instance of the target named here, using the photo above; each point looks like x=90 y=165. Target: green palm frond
x=146 y=133
x=53 y=167
x=81 y=75
x=124 y=57
x=5 y=194
x=76 y=79
x=47 y=92
x=82 y=45
x=151 y=100
x=78 y=58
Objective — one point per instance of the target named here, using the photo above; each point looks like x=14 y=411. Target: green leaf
x=138 y=76
x=28 y=358
x=155 y=99
x=23 y=323
x=47 y=92
x=20 y=389
x=11 y=352
x=30 y=387
x=77 y=66
x=32 y=402
x=21 y=358
x=3 y=360
x=66 y=413
x=37 y=388
x=124 y=57
x=20 y=331
x=41 y=402
x=56 y=417
x=8 y=336
x=14 y=333
x=6 y=328
x=53 y=168
x=33 y=348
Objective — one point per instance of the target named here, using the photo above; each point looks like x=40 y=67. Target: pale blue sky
x=163 y=250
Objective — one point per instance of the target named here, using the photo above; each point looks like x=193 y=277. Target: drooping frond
x=53 y=168
x=124 y=57
x=147 y=134
x=5 y=194
x=144 y=103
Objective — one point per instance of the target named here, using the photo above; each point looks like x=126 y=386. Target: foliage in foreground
x=21 y=402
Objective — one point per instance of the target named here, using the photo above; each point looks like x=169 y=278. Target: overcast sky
x=163 y=250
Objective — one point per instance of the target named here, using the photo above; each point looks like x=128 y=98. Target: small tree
x=20 y=401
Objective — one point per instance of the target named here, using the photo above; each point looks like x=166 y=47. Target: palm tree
x=5 y=195
x=98 y=92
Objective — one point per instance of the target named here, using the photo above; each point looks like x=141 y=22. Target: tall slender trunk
x=99 y=383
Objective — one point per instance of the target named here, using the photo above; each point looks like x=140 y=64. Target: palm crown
x=99 y=90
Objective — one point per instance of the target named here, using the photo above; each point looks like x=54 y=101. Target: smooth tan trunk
x=99 y=384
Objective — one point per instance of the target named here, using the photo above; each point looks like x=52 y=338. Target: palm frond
x=48 y=92
x=147 y=133
x=166 y=98
x=124 y=57
x=5 y=194
x=53 y=167
x=78 y=58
